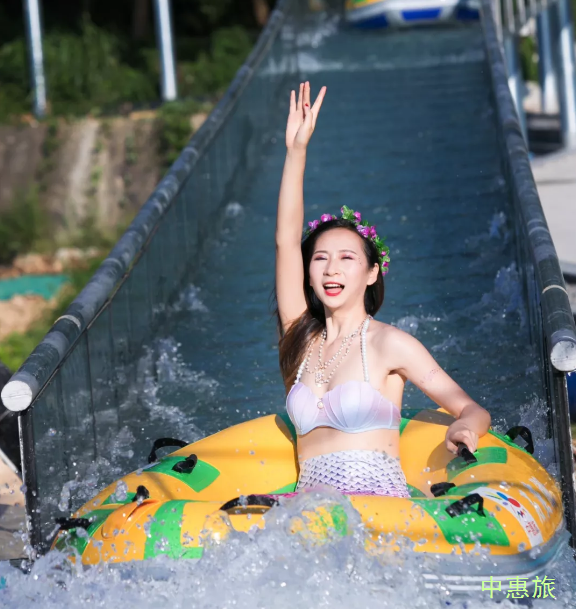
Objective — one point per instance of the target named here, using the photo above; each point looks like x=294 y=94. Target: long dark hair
x=292 y=345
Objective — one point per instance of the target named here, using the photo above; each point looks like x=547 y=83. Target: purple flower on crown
x=372 y=231
x=358 y=216
x=385 y=264
x=325 y=217
x=363 y=230
x=313 y=225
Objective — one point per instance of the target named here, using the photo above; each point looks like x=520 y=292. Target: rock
x=20 y=312
x=69 y=256
x=139 y=115
x=33 y=264
x=74 y=256
x=197 y=120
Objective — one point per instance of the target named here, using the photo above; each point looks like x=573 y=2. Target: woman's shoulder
x=384 y=336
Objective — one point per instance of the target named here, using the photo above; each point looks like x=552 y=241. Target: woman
x=345 y=372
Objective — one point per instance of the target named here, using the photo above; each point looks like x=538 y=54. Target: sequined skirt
x=364 y=472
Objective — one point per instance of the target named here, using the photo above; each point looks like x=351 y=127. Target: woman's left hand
x=460 y=432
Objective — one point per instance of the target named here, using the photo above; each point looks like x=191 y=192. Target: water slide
x=174 y=335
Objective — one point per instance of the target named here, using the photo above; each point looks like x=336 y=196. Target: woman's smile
x=333 y=289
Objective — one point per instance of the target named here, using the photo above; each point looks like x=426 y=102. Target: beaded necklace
x=320 y=368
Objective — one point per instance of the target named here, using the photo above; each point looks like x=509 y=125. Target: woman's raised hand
x=302 y=117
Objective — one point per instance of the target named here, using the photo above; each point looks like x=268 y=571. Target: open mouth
x=333 y=289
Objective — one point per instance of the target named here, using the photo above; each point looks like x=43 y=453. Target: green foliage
x=21 y=225
x=212 y=72
x=84 y=72
x=92 y=69
x=87 y=71
x=214 y=10
x=175 y=128
x=16 y=347
x=528 y=58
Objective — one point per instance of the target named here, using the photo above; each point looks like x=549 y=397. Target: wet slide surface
x=407 y=136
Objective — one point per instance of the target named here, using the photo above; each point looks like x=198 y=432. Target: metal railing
x=551 y=23
x=551 y=320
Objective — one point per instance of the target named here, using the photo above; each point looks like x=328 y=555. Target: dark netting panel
x=90 y=399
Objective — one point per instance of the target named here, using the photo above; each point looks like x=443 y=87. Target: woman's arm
x=416 y=364
x=290 y=216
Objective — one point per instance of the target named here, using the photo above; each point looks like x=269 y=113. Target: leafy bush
x=528 y=58
x=21 y=225
x=175 y=129
x=84 y=72
x=212 y=72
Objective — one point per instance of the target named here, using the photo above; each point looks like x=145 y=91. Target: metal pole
x=497 y=8
x=166 y=49
x=567 y=74
x=515 y=77
x=34 y=36
x=546 y=72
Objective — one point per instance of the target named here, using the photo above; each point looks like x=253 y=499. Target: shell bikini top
x=352 y=407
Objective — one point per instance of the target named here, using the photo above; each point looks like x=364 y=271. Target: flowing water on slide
x=407 y=136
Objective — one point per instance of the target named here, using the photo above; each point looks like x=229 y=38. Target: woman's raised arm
x=290 y=218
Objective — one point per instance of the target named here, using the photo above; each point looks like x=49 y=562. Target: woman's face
x=339 y=270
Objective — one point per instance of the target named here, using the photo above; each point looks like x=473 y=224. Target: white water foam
x=190 y=301
x=266 y=568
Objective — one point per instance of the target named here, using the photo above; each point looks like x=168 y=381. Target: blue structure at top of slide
x=407 y=13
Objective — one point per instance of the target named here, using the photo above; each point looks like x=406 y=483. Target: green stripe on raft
x=164 y=534
x=200 y=478
x=71 y=539
x=289 y=488
x=484 y=456
x=467 y=528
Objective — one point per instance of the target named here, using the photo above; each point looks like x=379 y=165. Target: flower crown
x=363 y=227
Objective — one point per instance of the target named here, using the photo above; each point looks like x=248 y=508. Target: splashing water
x=264 y=568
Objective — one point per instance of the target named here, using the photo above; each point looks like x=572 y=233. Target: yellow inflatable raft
x=500 y=496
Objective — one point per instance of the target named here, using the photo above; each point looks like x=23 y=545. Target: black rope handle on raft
x=251 y=501
x=464 y=452
x=162 y=443
x=525 y=434
x=66 y=524
x=142 y=493
x=462 y=506
x=186 y=466
x=441 y=488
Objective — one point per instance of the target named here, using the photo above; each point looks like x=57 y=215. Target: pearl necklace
x=320 y=367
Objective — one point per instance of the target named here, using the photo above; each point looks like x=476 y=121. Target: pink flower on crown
x=313 y=225
x=358 y=216
x=384 y=264
x=325 y=217
x=372 y=231
x=363 y=230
